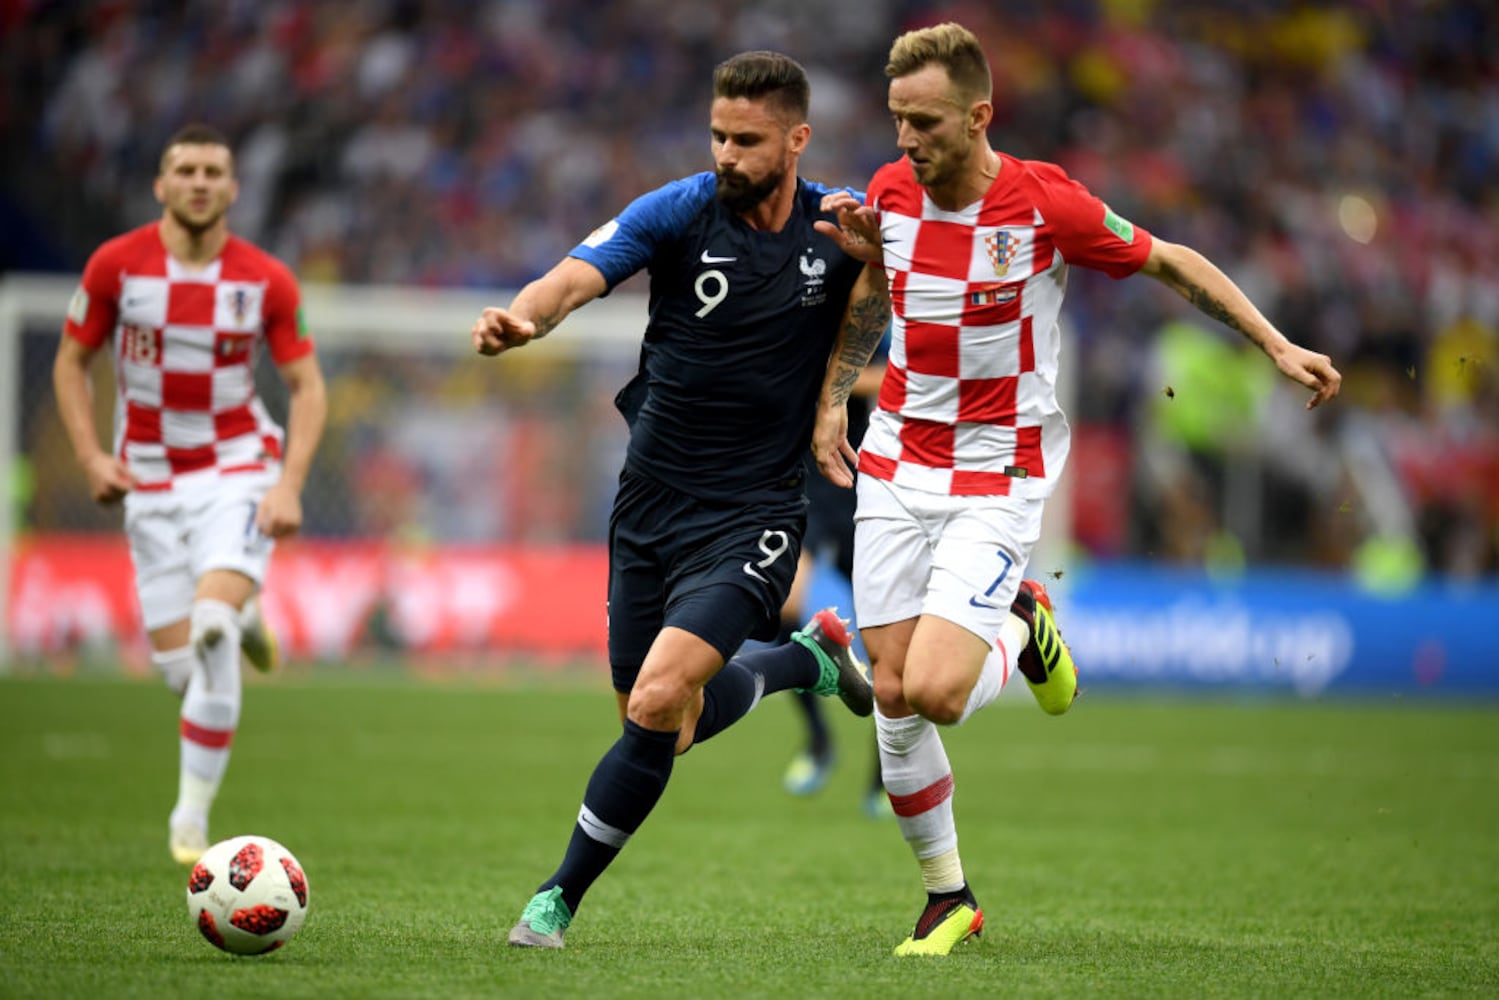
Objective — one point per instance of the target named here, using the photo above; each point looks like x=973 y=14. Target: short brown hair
x=195 y=134
x=769 y=76
x=950 y=46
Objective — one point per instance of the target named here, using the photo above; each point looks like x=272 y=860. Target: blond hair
x=951 y=46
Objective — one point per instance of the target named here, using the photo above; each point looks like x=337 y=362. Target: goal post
x=24 y=299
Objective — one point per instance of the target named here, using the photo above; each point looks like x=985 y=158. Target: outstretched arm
x=1201 y=283
x=864 y=323
x=539 y=307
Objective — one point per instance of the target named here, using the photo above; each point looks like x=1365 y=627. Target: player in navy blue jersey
x=746 y=298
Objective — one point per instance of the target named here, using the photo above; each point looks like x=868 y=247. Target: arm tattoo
x=865 y=326
x=545 y=324
x=867 y=320
x=1204 y=300
x=843 y=383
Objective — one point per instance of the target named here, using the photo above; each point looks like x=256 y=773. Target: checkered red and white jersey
x=185 y=345
x=969 y=404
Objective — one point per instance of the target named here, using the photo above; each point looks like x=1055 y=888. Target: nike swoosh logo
x=982 y=604
x=708 y=258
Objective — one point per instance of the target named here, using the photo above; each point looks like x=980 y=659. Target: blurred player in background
x=829 y=548
x=745 y=300
x=185 y=308
x=973 y=248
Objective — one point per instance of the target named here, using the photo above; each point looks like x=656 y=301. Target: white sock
x=176 y=666
x=998 y=666
x=249 y=615
x=210 y=709
x=919 y=781
x=215 y=637
x=194 y=798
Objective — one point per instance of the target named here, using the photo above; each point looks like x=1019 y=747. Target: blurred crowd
x=1339 y=160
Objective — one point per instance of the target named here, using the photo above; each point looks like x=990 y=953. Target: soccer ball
x=247 y=895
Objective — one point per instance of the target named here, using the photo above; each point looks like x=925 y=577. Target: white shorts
x=957 y=557
x=205 y=522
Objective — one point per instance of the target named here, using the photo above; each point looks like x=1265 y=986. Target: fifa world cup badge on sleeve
x=1122 y=228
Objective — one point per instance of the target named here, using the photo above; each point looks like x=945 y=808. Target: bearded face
x=754 y=149
x=740 y=193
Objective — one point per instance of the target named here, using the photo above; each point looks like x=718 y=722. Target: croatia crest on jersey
x=1002 y=246
x=239 y=304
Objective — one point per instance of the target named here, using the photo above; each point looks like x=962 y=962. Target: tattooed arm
x=864 y=323
x=539 y=307
x=1201 y=283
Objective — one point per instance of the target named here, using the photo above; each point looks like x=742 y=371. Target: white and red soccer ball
x=247 y=895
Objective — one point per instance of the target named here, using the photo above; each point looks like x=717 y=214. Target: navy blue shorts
x=719 y=571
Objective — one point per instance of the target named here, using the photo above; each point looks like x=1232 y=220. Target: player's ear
x=799 y=137
x=156 y=189
x=980 y=113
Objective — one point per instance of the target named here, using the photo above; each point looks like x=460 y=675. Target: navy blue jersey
x=736 y=345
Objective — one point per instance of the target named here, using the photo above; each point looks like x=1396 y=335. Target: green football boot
x=543 y=921
x=827 y=636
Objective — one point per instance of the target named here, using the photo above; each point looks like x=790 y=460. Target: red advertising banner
x=330 y=599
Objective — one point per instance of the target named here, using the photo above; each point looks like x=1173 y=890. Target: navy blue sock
x=789 y=665
x=624 y=788
x=727 y=698
x=746 y=678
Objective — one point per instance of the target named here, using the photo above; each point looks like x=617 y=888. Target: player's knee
x=934 y=700
x=660 y=703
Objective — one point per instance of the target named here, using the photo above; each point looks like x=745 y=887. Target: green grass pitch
x=1135 y=848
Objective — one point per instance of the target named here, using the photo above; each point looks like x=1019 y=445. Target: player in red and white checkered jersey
x=207 y=484
x=972 y=249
